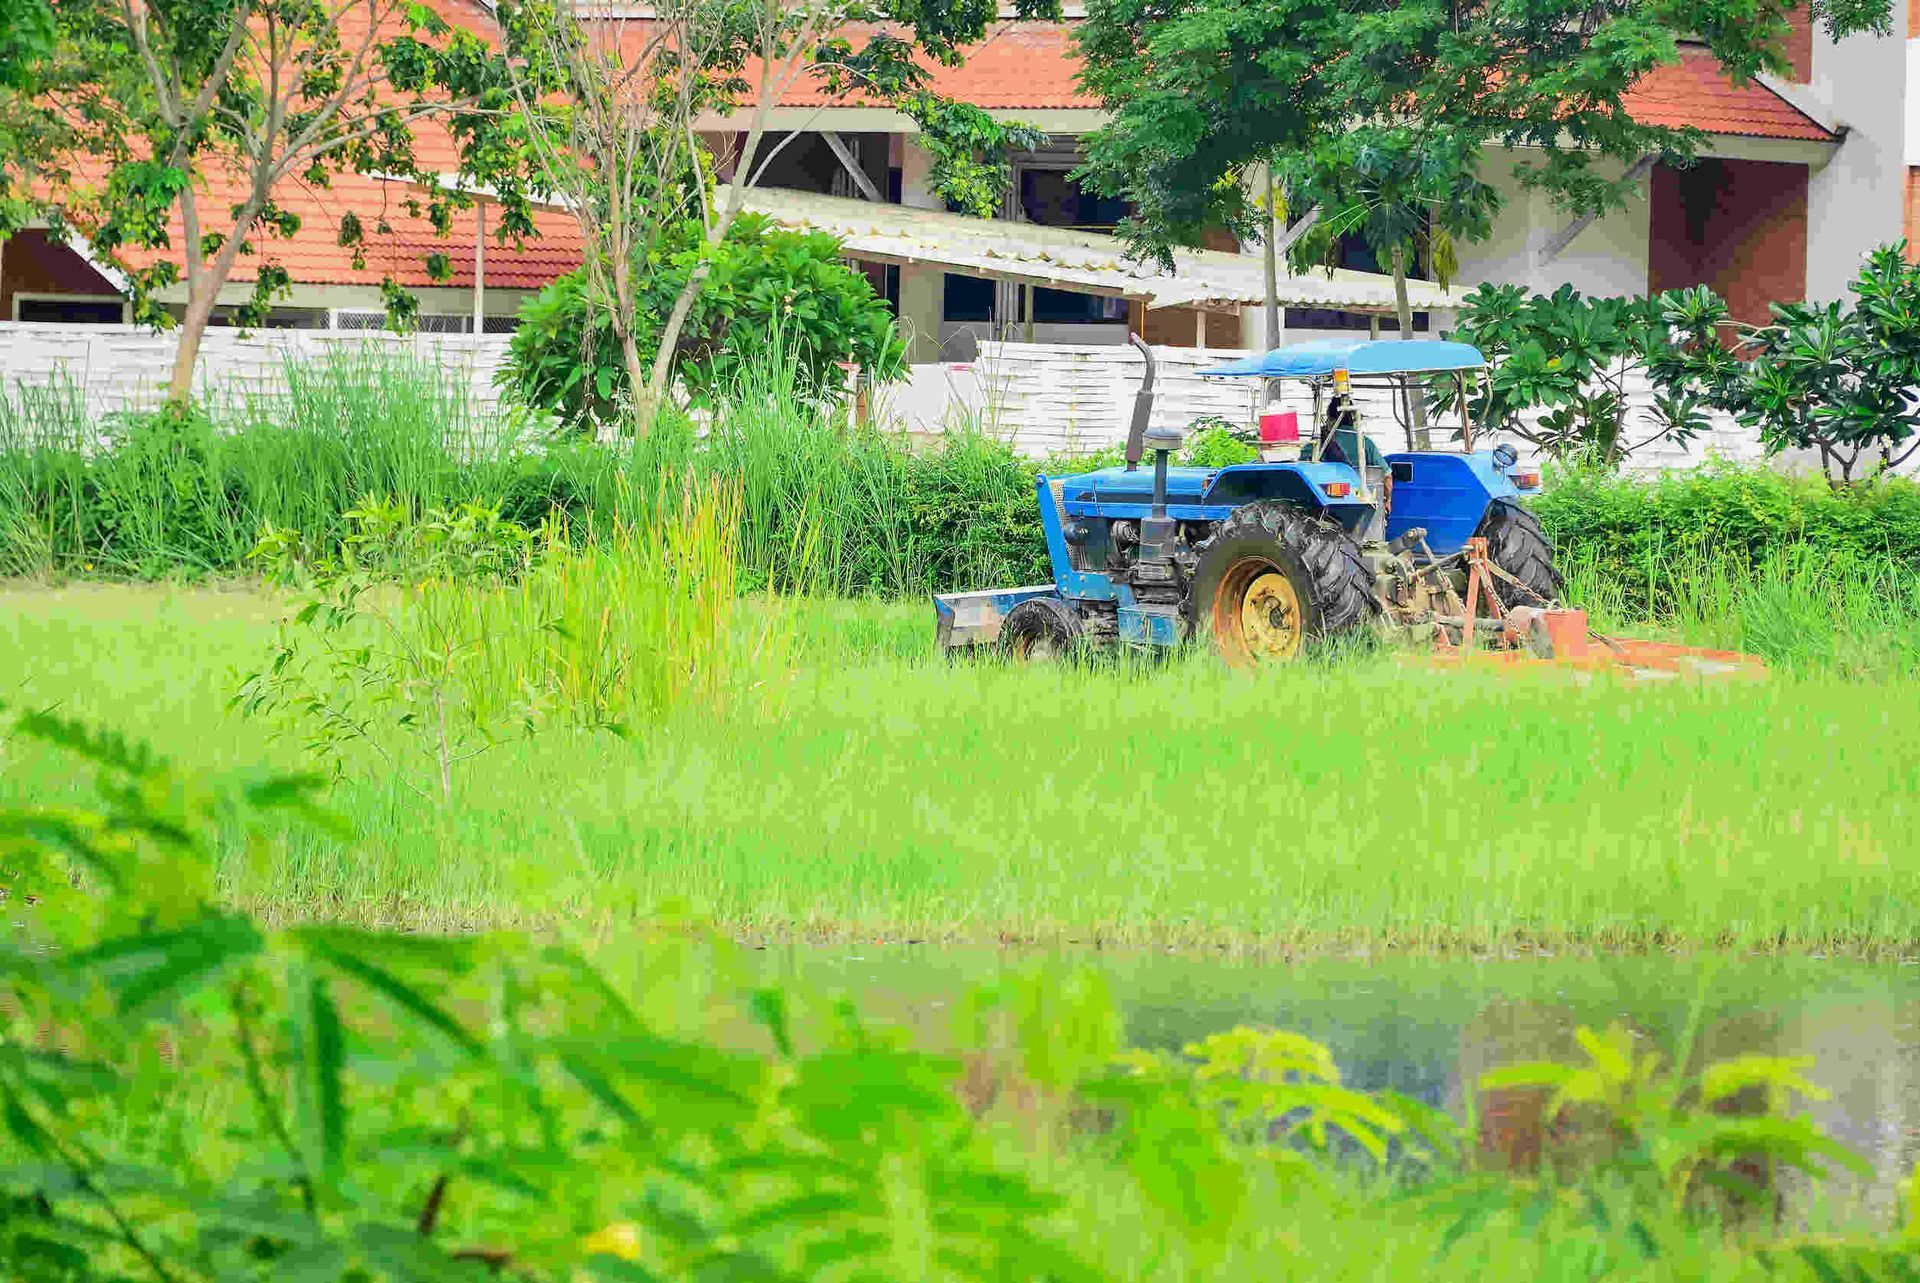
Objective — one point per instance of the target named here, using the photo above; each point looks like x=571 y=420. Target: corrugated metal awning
x=1062 y=258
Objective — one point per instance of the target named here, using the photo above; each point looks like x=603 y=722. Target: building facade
x=1798 y=177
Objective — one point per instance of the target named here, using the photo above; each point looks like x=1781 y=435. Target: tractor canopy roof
x=1321 y=357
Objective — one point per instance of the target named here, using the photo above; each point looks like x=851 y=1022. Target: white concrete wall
x=1609 y=257
x=1857 y=199
x=1045 y=399
x=123 y=367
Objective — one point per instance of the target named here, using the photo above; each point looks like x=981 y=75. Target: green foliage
x=1409 y=194
x=29 y=30
x=227 y=1101
x=1215 y=443
x=1724 y=511
x=1204 y=92
x=766 y=290
x=1724 y=1130
x=969 y=150
x=1835 y=377
x=1573 y=357
x=382 y=645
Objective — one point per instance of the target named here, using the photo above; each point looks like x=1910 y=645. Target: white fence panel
x=124 y=367
x=1052 y=398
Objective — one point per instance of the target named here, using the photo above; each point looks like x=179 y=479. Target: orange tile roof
x=1695 y=91
x=1018 y=66
x=1034 y=66
x=314 y=256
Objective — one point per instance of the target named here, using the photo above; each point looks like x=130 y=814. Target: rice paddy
x=890 y=794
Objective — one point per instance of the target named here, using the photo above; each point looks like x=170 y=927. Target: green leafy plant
x=1572 y=359
x=1726 y=1127
x=1835 y=378
x=382 y=646
x=1214 y=443
x=765 y=291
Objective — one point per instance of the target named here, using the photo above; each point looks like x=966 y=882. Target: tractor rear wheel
x=1517 y=544
x=1274 y=580
x=1040 y=630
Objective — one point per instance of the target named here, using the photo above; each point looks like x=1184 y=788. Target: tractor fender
x=1300 y=485
x=1447 y=494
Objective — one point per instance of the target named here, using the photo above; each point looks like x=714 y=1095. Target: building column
x=922 y=285
x=1856 y=201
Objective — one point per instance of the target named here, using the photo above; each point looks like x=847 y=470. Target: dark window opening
x=1065 y=307
x=1321 y=318
x=1052 y=199
x=70 y=311
x=968 y=298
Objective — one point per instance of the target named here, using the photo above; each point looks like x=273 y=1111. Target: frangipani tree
x=1407 y=193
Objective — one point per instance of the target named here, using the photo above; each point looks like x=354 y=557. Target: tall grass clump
x=359 y=421
x=173 y=491
x=1797 y=605
x=430 y=641
x=886 y=518
x=628 y=624
x=44 y=438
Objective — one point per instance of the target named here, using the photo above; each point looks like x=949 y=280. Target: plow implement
x=1555 y=634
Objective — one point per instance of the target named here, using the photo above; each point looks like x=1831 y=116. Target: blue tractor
x=1266 y=559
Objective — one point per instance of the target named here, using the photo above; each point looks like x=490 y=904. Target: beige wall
x=1608 y=257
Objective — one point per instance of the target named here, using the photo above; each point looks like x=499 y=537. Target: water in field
x=1430 y=1026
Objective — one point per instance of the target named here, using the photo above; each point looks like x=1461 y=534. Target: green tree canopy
x=1204 y=92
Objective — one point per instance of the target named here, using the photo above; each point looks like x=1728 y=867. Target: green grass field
x=889 y=794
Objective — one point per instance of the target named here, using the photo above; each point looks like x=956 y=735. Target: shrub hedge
x=157 y=496
x=1723 y=510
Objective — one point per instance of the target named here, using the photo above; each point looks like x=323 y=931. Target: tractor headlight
x=1505 y=456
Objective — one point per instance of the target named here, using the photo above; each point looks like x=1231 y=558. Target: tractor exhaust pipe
x=1142 y=412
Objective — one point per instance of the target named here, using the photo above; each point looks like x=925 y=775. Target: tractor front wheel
x=1517 y=544
x=1040 y=630
x=1273 y=580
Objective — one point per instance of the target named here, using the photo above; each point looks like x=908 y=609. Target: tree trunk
x=201 y=294
x=1417 y=395
x=623 y=314
x=669 y=340
x=205 y=280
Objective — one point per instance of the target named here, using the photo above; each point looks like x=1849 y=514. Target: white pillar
x=921 y=284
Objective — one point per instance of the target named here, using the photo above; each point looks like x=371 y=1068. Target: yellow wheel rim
x=1270 y=618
